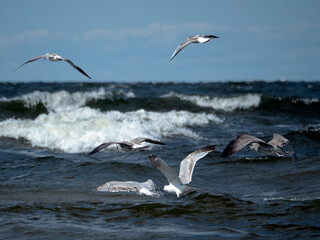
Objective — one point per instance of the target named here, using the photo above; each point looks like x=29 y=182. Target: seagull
x=127 y=146
x=274 y=146
x=178 y=184
x=147 y=188
x=193 y=39
x=54 y=58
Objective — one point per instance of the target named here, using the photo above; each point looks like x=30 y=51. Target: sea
x=48 y=181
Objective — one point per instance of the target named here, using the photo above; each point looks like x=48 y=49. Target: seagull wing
x=139 y=140
x=128 y=146
x=118 y=186
x=188 y=163
x=182 y=46
x=278 y=140
x=153 y=141
x=75 y=67
x=31 y=60
x=167 y=171
x=240 y=142
x=210 y=36
x=288 y=149
x=102 y=146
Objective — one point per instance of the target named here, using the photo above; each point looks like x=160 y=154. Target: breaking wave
x=64 y=100
x=83 y=128
x=245 y=101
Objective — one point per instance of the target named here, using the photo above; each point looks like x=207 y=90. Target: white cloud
x=23 y=37
x=284 y=32
x=158 y=30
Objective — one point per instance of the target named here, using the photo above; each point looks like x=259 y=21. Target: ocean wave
x=306 y=101
x=83 y=128
x=291 y=199
x=227 y=104
x=306 y=107
x=64 y=100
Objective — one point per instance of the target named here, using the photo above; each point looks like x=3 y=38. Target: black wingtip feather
x=92 y=152
x=209 y=148
x=228 y=150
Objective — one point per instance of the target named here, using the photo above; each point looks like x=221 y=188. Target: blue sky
x=130 y=41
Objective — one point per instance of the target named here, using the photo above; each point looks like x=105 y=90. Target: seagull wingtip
x=209 y=148
x=92 y=152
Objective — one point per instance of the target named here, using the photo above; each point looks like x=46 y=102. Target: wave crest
x=227 y=104
x=64 y=100
x=82 y=129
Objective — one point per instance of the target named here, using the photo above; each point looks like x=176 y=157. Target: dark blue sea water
x=48 y=181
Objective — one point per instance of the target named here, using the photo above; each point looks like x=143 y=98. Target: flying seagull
x=193 y=39
x=54 y=58
x=178 y=184
x=147 y=188
x=274 y=146
x=127 y=146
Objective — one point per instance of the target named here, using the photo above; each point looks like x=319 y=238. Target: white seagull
x=127 y=146
x=178 y=184
x=147 y=188
x=193 y=39
x=274 y=146
x=54 y=58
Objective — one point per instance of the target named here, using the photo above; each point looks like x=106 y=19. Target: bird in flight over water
x=274 y=146
x=127 y=146
x=178 y=184
x=54 y=58
x=193 y=39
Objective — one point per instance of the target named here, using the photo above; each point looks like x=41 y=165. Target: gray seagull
x=54 y=58
x=127 y=146
x=178 y=184
x=147 y=188
x=274 y=146
x=193 y=39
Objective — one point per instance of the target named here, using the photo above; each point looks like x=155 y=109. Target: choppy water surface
x=47 y=180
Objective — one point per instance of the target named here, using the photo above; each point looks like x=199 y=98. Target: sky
x=132 y=41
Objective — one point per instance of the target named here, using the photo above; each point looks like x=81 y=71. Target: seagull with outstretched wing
x=178 y=184
x=127 y=146
x=274 y=146
x=193 y=39
x=54 y=58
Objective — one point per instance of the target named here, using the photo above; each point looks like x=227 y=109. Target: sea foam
x=64 y=100
x=245 y=101
x=82 y=129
